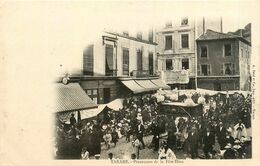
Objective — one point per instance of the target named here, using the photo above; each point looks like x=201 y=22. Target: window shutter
x=208 y=69
x=198 y=69
x=222 y=69
x=233 y=68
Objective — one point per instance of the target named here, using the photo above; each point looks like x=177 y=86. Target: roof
x=213 y=35
x=72 y=97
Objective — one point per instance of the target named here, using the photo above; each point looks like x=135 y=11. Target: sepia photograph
x=176 y=91
x=129 y=82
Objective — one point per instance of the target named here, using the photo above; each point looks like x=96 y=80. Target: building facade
x=223 y=61
x=114 y=56
x=177 y=49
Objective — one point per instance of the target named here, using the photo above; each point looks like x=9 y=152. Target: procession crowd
x=221 y=131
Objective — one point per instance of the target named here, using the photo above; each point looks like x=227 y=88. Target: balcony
x=175 y=76
x=141 y=73
x=111 y=72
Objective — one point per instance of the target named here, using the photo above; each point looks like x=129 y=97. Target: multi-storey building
x=118 y=62
x=223 y=61
x=177 y=49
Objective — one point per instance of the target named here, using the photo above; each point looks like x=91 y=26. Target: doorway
x=106 y=95
x=217 y=86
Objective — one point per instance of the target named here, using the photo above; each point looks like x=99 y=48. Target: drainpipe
x=195 y=49
x=116 y=54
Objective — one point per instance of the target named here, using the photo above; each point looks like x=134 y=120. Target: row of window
x=139 y=61
x=184 y=41
x=139 y=35
x=110 y=66
x=227 y=51
x=226 y=69
x=184 y=64
x=184 y=22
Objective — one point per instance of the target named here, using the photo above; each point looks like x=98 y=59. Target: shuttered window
x=88 y=60
x=206 y=69
x=150 y=63
x=109 y=59
x=228 y=69
x=139 y=60
x=184 y=41
x=203 y=51
x=168 y=42
x=125 y=61
x=168 y=64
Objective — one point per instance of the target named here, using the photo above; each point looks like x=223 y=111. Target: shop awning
x=133 y=86
x=72 y=97
x=161 y=84
x=116 y=104
x=92 y=112
x=147 y=84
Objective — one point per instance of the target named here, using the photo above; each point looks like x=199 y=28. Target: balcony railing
x=111 y=72
x=140 y=73
x=175 y=76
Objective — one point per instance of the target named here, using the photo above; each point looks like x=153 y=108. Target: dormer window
x=184 y=21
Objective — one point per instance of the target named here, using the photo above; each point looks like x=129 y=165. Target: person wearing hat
x=156 y=134
x=97 y=156
x=136 y=146
x=208 y=141
x=140 y=133
x=229 y=153
x=192 y=141
x=72 y=120
x=238 y=148
x=221 y=134
x=229 y=138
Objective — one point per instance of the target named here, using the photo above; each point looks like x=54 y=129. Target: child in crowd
x=136 y=146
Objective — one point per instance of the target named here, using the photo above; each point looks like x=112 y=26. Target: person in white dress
x=166 y=153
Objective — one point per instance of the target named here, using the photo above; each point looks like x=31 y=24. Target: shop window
x=93 y=94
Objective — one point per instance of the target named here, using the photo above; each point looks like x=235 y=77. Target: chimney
x=241 y=32
x=203 y=25
x=221 y=25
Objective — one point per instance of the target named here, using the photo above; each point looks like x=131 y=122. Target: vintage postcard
x=129 y=82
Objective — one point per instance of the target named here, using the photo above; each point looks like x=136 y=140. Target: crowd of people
x=221 y=131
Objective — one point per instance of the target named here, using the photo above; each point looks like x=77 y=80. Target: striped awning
x=147 y=84
x=72 y=97
x=133 y=86
x=160 y=84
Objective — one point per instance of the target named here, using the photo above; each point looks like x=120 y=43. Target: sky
x=61 y=30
